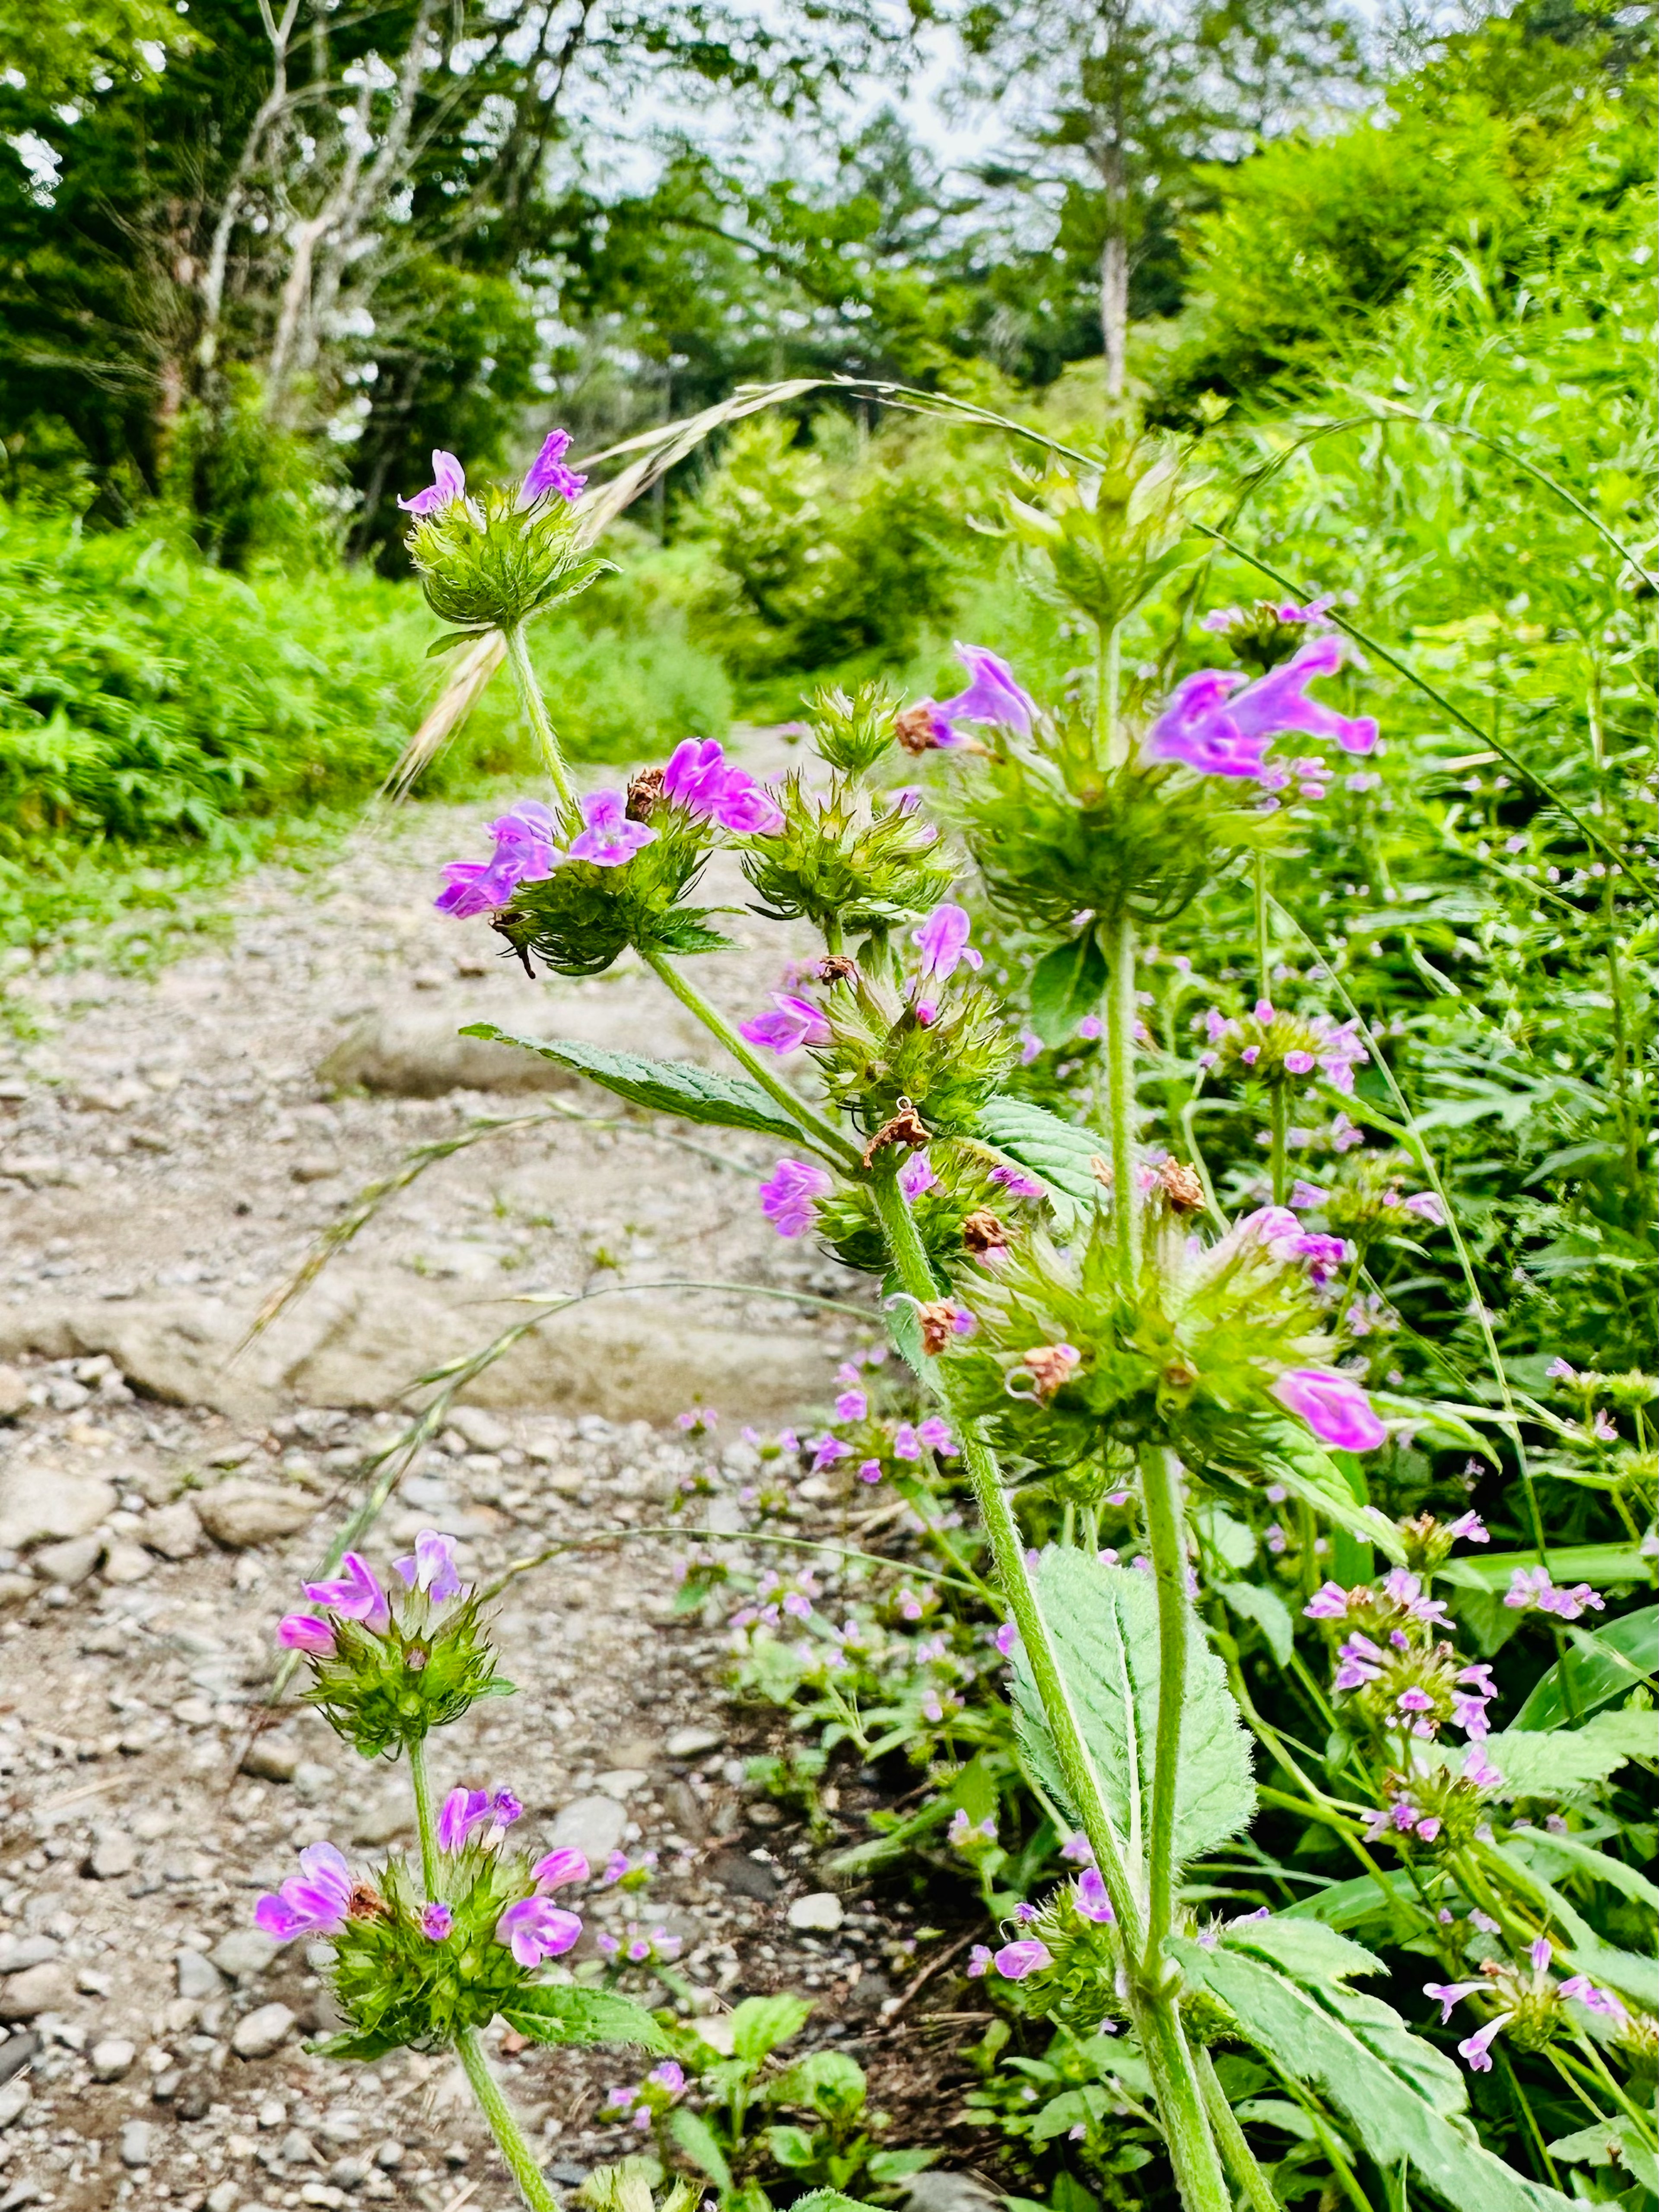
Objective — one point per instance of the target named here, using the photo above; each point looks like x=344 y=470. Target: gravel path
x=169 y=1151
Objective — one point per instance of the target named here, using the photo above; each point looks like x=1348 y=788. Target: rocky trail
x=169 y=1151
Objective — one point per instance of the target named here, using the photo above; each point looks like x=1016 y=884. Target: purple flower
x=1427 y=1207
x=1211 y=725
x=870 y=1470
x=547 y=472
x=906 y=1443
x=745 y=807
x=1089 y=1895
x=1197 y=730
x=994 y=695
x=1029 y=1956
x=1334 y=1407
x=525 y=854
x=1304 y=1196
x=1559 y=1371
x=936 y=1435
x=916 y=1176
x=826 y=1451
x=437 y=1922
x=789 y=1196
x=1531 y=1586
x=534 y=1930
x=1471 y=1526
x=943 y=941
x=303 y=1632
x=463 y=1810
x=1447 y=1994
x=852 y=1406
x=1030 y=1049
x=980 y=1961
x=448 y=483
x=312 y=1903
x=431 y=1567
x=610 y=839
x=356 y=1596
x=1593 y=1999
x=1479 y=1770
x=670 y=2075
x=1475 y=2048
x=1329 y=1602
x=559 y=1867
x=698 y=778
x=794 y=1023
x=1277 y=702
x=1005 y=1639
x=1017 y=1183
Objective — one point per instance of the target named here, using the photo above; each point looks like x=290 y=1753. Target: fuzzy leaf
x=667 y=1086
x=1067 y=984
x=1602 y=1666
x=1566 y=1762
x=1609 y=2141
x=1404 y=2098
x=760 y=2024
x=553 y=2012
x=1255 y=1602
x=1104 y=1624
x=697 y=2140
x=448 y=642
x=1057 y=1152
x=686 y=929
x=364 y=2048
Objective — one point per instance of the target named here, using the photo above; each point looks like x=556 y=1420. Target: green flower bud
x=487 y=562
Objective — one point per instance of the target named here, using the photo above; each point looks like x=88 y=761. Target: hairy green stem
x=1235 y=2146
x=503 y=2124
x=1108 y=683
x=1166 y=1524
x=1263 y=957
x=536 y=707
x=1278 y=1130
x=1118 y=931
x=813 y=1126
x=422 y=1786
x=1154 y=2012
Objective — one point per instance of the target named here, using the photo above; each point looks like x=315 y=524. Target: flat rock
x=42 y=1501
x=622 y=1781
x=481 y=1429
x=137 y=2143
x=592 y=1826
x=14 y=2101
x=820 y=1913
x=243 y=1953
x=692 y=1742
x=198 y=1977
x=417 y=1052
x=384 y=1818
x=46 y=1988
x=14 y=1393
x=262 y=2031
x=241 y=1514
x=69 y=1562
x=272 y=1757
x=114 y=1854
x=111 y=2058
x=126 y=1563
x=17 y=1951
x=174 y=1531
x=745 y=1877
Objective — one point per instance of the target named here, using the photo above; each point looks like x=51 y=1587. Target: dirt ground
x=169 y=1150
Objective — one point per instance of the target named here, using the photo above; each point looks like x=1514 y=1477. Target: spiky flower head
x=387 y=1669
x=859 y=862
x=1283 y=1050
x=488 y=560
x=577 y=919
x=851 y=735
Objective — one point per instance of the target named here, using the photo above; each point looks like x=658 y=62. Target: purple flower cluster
x=698 y=778
x=464 y=1810
x=1211 y=725
x=994 y=695
x=525 y=854
x=1532 y=1998
x=356 y=1595
x=1267 y=1042
x=1531 y=1586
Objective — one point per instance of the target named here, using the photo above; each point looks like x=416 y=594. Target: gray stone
x=114 y=1854
x=745 y=1877
x=111 y=2058
x=17 y=1951
x=948 y=2192
x=693 y=1742
x=14 y=1393
x=482 y=1430
x=820 y=1913
x=48 y=1988
x=241 y=1514
x=389 y=2155
x=70 y=1562
x=418 y=1052
x=42 y=1501
x=622 y=1781
x=223 y=2196
x=272 y=1757
x=127 y=1563
x=138 y=2143
x=14 y=2101
x=262 y=2031
x=349 y=2173
x=314 y=1167
x=592 y=1826
x=16 y=1590
x=313 y=1781
x=174 y=1531
x=198 y=1977
x=243 y=1953
x=383 y=1819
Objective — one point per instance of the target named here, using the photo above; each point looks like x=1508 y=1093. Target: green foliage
x=560 y=2013
x=667 y=1086
x=1104 y=1624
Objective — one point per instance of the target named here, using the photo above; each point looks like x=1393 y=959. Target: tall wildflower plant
x=1074 y=1299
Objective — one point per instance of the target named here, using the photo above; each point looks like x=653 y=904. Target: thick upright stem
x=812 y=1124
x=1198 y=2178
x=536 y=707
x=503 y=2124
x=1160 y=1492
x=1118 y=936
x=422 y=1786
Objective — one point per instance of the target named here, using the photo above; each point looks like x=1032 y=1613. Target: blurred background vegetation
x=258 y=258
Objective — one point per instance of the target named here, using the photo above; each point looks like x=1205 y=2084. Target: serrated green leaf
x=667 y=1086
x=554 y=2012
x=686 y=929
x=1104 y=1621
x=1255 y=1602
x=364 y=2048
x=760 y=2024
x=1067 y=984
x=1566 y=1762
x=1600 y=1667
x=1308 y=1950
x=1582 y=1858
x=697 y=2140
x=1057 y=1152
x=1610 y=2142
x=1404 y=2098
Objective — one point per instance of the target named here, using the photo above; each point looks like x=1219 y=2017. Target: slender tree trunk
x=1114 y=297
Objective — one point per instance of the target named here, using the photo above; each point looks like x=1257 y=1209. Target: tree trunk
x=1115 y=307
